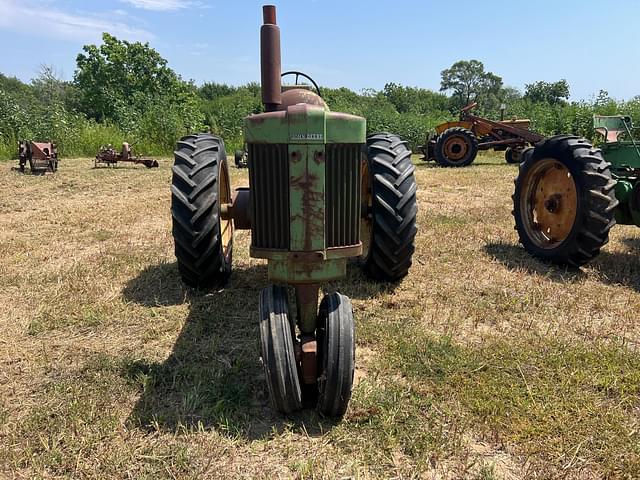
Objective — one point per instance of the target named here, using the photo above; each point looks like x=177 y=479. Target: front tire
x=456 y=147
x=200 y=185
x=278 y=354
x=336 y=354
x=564 y=201
x=388 y=228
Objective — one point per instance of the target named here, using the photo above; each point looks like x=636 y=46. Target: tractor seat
x=611 y=127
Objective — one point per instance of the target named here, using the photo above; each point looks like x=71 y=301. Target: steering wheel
x=304 y=75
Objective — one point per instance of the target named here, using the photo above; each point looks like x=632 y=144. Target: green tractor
x=320 y=192
x=568 y=194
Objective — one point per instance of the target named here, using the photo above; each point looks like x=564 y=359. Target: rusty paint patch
x=41 y=156
x=312 y=211
x=297 y=96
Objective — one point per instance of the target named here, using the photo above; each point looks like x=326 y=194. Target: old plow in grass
x=42 y=157
x=108 y=156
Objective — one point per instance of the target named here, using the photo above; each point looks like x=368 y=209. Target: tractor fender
x=447 y=125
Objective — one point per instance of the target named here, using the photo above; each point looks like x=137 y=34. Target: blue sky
x=353 y=43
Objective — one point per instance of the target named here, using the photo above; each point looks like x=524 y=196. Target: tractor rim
x=366 y=217
x=549 y=203
x=456 y=148
x=224 y=198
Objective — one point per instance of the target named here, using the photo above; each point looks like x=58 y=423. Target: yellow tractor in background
x=456 y=144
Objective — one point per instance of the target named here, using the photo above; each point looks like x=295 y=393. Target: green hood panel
x=304 y=124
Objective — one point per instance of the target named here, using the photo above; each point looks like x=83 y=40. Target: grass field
x=482 y=364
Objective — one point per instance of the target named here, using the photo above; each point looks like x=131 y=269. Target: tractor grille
x=342 y=194
x=269 y=182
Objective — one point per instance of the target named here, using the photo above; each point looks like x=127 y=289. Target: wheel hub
x=456 y=148
x=552 y=204
x=549 y=203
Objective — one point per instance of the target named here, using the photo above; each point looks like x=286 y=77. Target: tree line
x=126 y=91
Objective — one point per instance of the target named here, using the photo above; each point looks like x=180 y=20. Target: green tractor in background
x=320 y=192
x=568 y=195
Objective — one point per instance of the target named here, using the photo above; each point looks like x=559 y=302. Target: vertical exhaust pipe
x=270 y=60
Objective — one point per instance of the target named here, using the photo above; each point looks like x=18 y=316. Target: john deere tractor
x=568 y=194
x=320 y=192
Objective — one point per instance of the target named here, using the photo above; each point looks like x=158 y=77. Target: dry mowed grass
x=483 y=363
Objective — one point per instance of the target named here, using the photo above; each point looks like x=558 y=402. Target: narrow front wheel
x=278 y=354
x=336 y=354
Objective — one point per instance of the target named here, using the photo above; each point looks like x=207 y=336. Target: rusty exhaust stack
x=270 y=60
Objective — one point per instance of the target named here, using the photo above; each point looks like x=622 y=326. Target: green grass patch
x=559 y=401
x=449 y=220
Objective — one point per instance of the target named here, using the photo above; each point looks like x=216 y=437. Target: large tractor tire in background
x=564 y=201
x=200 y=185
x=388 y=228
x=456 y=147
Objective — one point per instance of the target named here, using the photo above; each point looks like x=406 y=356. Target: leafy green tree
x=553 y=93
x=49 y=88
x=225 y=113
x=415 y=100
x=509 y=95
x=13 y=86
x=120 y=81
x=213 y=90
x=469 y=82
x=342 y=100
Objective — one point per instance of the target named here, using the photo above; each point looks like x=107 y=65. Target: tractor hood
x=304 y=124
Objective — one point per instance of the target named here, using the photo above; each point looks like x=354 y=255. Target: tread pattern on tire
x=195 y=211
x=336 y=341
x=395 y=208
x=441 y=158
x=596 y=199
x=278 y=355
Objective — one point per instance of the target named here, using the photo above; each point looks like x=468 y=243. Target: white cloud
x=46 y=21
x=158 y=5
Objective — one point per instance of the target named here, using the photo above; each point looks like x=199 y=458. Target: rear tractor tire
x=564 y=201
x=200 y=185
x=388 y=227
x=456 y=147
